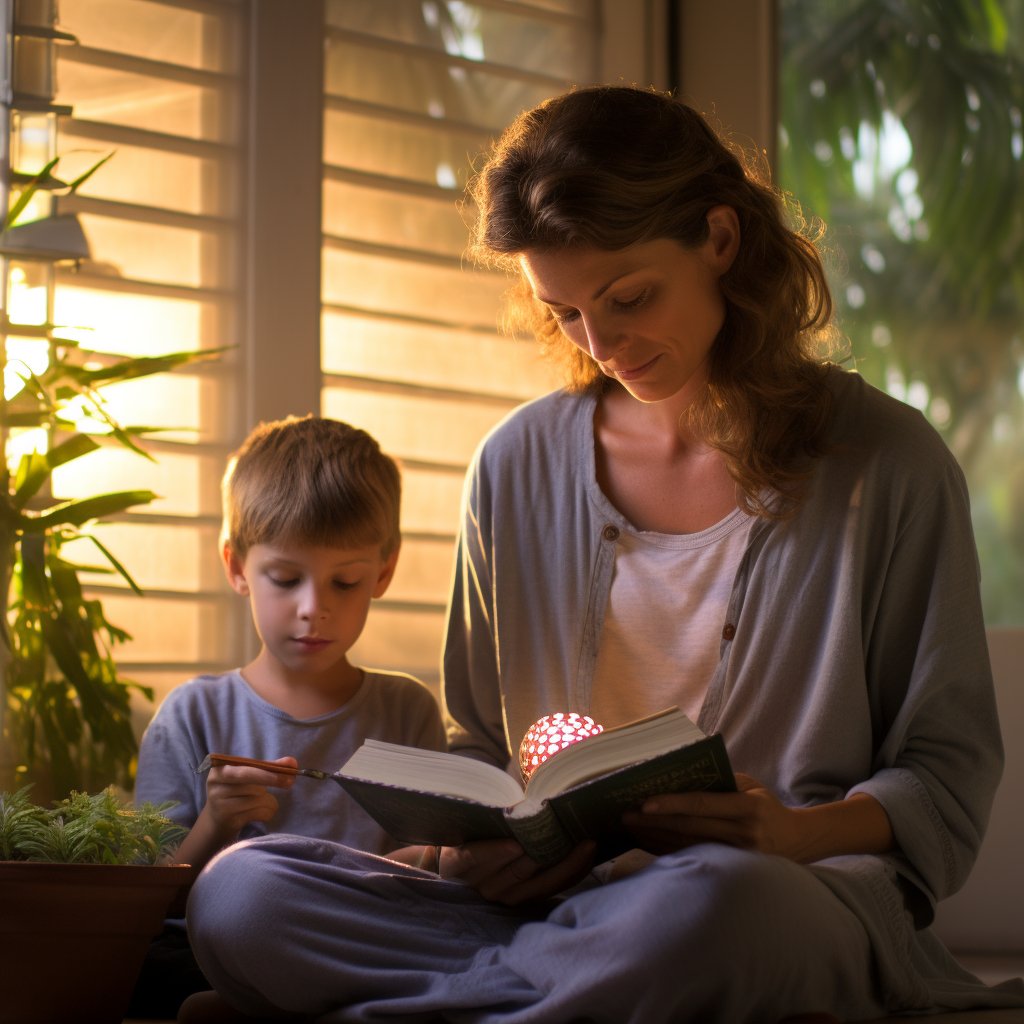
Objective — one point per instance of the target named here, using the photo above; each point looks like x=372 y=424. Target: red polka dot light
x=550 y=734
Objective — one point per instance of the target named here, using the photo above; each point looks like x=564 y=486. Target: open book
x=422 y=796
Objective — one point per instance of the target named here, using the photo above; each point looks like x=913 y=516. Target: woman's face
x=647 y=314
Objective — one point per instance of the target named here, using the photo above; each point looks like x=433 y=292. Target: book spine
x=541 y=835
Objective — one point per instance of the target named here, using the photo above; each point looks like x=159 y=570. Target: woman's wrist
x=858 y=824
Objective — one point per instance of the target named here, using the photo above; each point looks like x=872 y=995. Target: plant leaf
x=30 y=475
x=32 y=186
x=86 y=175
x=116 y=564
x=35 y=468
x=82 y=510
x=140 y=366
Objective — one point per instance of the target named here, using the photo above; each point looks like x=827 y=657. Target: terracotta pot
x=73 y=937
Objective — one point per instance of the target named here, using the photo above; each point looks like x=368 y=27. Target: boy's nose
x=314 y=605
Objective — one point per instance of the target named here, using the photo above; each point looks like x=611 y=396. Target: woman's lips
x=636 y=371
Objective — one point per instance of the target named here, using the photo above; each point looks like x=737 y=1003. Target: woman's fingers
x=524 y=881
x=502 y=873
x=752 y=818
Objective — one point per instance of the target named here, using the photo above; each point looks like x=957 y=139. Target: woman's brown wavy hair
x=612 y=166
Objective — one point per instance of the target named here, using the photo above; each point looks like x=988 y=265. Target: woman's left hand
x=752 y=818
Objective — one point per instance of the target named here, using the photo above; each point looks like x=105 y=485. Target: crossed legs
x=286 y=925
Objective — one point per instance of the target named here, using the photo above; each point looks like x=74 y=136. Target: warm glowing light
x=32 y=139
x=26 y=295
x=82 y=413
x=552 y=733
x=24 y=442
x=130 y=325
x=25 y=356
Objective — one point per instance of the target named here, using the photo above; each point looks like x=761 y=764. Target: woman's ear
x=234 y=569
x=723 y=238
x=387 y=572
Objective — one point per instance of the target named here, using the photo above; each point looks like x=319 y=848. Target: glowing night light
x=552 y=733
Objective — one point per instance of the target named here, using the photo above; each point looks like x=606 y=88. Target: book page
x=430 y=771
x=611 y=749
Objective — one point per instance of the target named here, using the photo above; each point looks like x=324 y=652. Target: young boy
x=310 y=536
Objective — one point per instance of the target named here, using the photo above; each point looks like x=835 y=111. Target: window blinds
x=158 y=85
x=413 y=92
x=410 y=350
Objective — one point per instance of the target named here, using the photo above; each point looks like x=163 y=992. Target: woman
x=713 y=516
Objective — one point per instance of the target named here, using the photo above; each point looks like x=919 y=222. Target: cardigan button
x=610 y=532
x=728 y=631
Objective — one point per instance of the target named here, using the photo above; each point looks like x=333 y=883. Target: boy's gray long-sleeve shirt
x=853 y=655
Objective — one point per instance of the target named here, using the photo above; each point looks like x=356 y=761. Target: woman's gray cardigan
x=853 y=654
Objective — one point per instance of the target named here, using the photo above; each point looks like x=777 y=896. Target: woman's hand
x=500 y=871
x=755 y=819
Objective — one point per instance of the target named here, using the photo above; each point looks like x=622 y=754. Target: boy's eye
x=285 y=582
x=344 y=585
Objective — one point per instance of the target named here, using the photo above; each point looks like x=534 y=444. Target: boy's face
x=309 y=603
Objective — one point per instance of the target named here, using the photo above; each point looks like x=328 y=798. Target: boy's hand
x=237 y=795
x=500 y=871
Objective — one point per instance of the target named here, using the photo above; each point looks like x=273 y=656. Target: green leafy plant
x=84 y=829
x=66 y=707
x=901 y=128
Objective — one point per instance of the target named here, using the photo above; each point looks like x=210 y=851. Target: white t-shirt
x=664 y=619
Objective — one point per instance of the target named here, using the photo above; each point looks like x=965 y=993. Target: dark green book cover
x=594 y=809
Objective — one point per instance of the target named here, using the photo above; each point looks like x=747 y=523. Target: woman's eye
x=633 y=301
x=566 y=316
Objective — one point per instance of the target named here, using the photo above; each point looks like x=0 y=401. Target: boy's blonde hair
x=310 y=480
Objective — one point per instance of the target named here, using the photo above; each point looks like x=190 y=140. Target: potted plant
x=84 y=886
x=65 y=707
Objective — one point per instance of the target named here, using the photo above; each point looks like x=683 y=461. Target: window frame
x=280 y=363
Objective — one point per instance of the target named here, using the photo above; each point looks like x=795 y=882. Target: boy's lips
x=311 y=641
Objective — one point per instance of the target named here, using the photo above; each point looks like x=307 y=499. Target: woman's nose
x=601 y=339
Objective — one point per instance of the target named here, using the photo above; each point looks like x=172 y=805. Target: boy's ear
x=234 y=570
x=387 y=571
